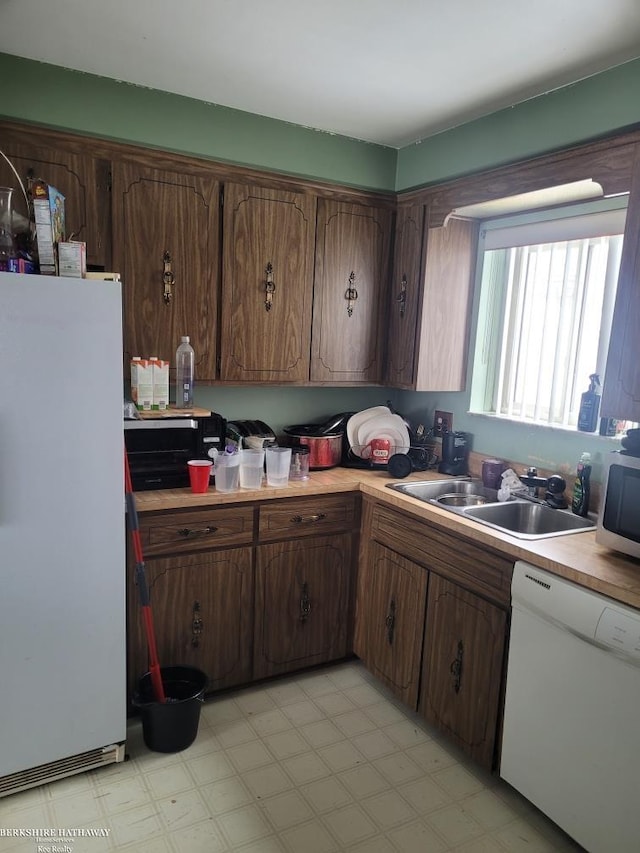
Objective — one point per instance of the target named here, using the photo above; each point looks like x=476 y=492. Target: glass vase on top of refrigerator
x=62 y=528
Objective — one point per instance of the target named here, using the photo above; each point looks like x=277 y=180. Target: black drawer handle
x=456 y=667
x=188 y=533
x=305 y=603
x=308 y=519
x=401 y=298
x=197 y=625
x=269 y=287
x=390 y=621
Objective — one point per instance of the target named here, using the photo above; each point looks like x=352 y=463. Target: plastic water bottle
x=185 y=359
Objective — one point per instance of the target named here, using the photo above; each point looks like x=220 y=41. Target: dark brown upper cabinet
x=350 y=296
x=267 y=284
x=166 y=247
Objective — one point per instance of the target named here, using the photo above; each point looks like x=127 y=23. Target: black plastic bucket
x=173 y=725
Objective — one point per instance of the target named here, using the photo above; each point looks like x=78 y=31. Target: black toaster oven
x=158 y=449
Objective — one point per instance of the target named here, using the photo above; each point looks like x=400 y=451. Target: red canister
x=325 y=451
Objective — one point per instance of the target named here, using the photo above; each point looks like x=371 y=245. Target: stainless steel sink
x=521 y=518
x=431 y=490
x=528 y=520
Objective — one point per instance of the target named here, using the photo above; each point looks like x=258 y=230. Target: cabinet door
x=302 y=603
x=443 y=329
x=267 y=284
x=390 y=608
x=201 y=607
x=406 y=296
x=82 y=180
x=160 y=215
x=350 y=296
x=621 y=389
x=462 y=667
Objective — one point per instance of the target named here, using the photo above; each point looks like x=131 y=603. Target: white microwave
x=619 y=516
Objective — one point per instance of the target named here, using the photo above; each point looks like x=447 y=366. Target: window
x=547 y=289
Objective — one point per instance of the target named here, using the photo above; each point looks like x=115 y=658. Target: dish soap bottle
x=589 y=406
x=582 y=486
x=185 y=360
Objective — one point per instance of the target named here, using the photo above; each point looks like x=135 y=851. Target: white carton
x=72 y=259
x=160 y=383
x=142 y=383
x=135 y=361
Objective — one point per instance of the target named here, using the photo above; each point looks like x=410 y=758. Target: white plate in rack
x=356 y=421
x=389 y=426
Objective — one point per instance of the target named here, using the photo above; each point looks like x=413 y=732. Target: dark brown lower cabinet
x=462 y=667
x=432 y=613
x=302 y=603
x=249 y=590
x=390 y=618
x=202 y=610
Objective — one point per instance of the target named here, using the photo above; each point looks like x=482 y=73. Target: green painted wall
x=85 y=103
x=544 y=447
x=57 y=97
x=593 y=107
x=280 y=406
x=553 y=449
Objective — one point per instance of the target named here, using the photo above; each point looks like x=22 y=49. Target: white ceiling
x=385 y=71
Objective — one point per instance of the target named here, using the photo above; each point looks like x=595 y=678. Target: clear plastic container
x=299 y=468
x=7 y=243
x=185 y=362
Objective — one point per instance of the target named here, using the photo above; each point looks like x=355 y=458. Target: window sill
x=611 y=441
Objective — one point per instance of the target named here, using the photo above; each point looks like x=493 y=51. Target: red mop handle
x=141 y=582
x=154 y=666
x=132 y=513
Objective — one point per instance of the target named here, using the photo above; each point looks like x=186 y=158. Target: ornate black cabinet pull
x=168 y=278
x=351 y=294
x=305 y=603
x=196 y=625
x=390 y=621
x=269 y=287
x=401 y=298
x=456 y=667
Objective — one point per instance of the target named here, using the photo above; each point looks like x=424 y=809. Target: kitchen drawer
x=305 y=516
x=455 y=557
x=196 y=530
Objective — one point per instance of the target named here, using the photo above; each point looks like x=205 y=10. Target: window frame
x=574 y=221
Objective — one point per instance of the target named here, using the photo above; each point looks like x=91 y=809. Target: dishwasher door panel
x=571 y=742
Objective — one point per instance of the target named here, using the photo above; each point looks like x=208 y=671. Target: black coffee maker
x=455 y=452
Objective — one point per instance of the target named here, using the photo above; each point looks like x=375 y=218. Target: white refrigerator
x=62 y=528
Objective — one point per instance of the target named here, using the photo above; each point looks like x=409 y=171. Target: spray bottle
x=590 y=406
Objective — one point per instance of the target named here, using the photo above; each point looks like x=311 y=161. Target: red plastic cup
x=199 y=473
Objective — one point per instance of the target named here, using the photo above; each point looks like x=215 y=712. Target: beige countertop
x=576 y=557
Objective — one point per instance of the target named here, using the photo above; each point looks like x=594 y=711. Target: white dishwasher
x=571 y=741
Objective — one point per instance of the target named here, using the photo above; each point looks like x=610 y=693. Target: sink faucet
x=531 y=480
x=554 y=488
